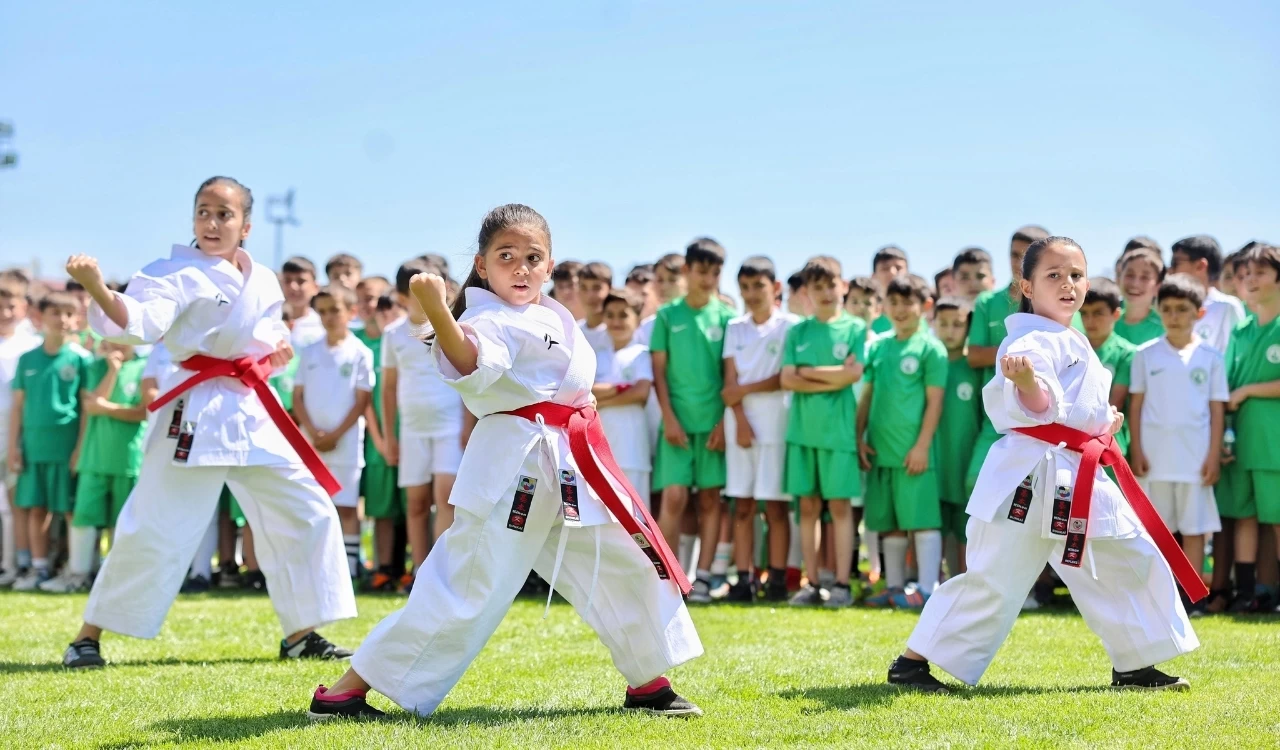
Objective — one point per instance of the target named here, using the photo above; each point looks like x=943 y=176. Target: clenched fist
x=84 y=269
x=1018 y=370
x=429 y=289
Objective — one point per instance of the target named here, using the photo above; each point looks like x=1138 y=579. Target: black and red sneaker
x=658 y=698
x=348 y=705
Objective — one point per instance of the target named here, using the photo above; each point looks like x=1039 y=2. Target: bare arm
x=1137 y=458
x=150 y=390
x=300 y=414
x=865 y=451
x=353 y=416
x=429 y=289
x=982 y=357
x=792 y=380
x=1119 y=394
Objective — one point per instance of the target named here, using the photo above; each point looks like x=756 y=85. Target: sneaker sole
x=320 y=718
x=681 y=713
x=942 y=690
x=1180 y=686
x=79 y=667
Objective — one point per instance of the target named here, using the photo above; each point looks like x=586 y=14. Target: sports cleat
x=8 y=577
x=32 y=579
x=67 y=583
x=882 y=600
x=701 y=593
x=348 y=705
x=913 y=673
x=839 y=598
x=662 y=702
x=83 y=654
x=1147 y=678
x=808 y=596
x=313 y=646
x=912 y=598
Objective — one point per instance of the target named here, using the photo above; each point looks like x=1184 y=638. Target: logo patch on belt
x=1061 y=510
x=186 y=436
x=175 y=424
x=569 y=496
x=521 y=503
x=1021 y=501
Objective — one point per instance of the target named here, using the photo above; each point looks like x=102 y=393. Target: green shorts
x=99 y=498
x=1243 y=493
x=954 y=519
x=46 y=485
x=383 y=498
x=694 y=466
x=897 y=501
x=819 y=472
x=227 y=504
x=987 y=437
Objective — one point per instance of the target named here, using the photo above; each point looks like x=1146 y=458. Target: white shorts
x=1186 y=507
x=349 y=478
x=421 y=458
x=755 y=472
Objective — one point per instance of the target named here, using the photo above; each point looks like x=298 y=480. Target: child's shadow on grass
x=873 y=694
x=17 y=667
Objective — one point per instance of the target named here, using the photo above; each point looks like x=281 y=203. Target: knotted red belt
x=1102 y=449
x=254 y=374
x=587 y=435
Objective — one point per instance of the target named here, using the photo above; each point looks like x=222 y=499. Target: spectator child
x=959 y=424
x=973 y=273
x=298 y=281
x=888 y=263
x=641 y=280
x=798 y=302
x=864 y=299
x=344 y=270
x=1099 y=314
x=1141 y=271
x=1201 y=257
x=564 y=287
x=594 y=282
x=15 y=340
x=624 y=377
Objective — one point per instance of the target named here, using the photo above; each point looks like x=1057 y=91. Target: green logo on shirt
x=345 y=370
x=840 y=350
x=772 y=347
x=1199 y=376
x=67 y=373
x=1273 y=354
x=964 y=391
x=909 y=365
x=130 y=389
x=715 y=333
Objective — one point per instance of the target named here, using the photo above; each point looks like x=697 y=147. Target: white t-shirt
x=428 y=406
x=330 y=377
x=1178 y=386
x=1221 y=314
x=306 y=331
x=598 y=337
x=645 y=331
x=625 y=426
x=11 y=347
x=756 y=351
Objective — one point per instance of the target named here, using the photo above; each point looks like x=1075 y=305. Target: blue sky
x=788 y=129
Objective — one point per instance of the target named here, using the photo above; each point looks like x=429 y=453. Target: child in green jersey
x=957 y=428
x=864 y=299
x=889 y=263
x=973 y=275
x=1099 y=314
x=686 y=347
x=110 y=457
x=821 y=361
x=898 y=415
x=1140 y=272
x=43 y=429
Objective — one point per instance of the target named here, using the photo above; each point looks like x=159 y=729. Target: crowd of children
x=788 y=439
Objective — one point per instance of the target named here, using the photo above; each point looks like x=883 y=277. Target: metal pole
x=280 y=212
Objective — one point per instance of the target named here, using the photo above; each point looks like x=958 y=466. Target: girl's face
x=517 y=263
x=1139 y=280
x=219 y=223
x=1058 y=284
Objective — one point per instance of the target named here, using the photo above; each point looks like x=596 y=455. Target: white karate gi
x=1125 y=589
x=527 y=355
x=205 y=305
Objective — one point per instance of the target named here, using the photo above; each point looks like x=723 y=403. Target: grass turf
x=771 y=677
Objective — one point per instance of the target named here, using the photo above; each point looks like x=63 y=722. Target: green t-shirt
x=694 y=342
x=112 y=446
x=1143 y=331
x=1253 y=356
x=899 y=372
x=51 y=385
x=957 y=429
x=881 y=324
x=1116 y=354
x=283 y=383
x=824 y=420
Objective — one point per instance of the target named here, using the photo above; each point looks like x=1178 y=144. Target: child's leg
x=708 y=526
x=810 y=525
x=776 y=515
x=842 y=541
x=744 y=532
x=8 y=535
x=827 y=552
x=724 y=541
x=349 y=519
x=1246 y=549
x=894 y=544
x=418 y=521
x=446 y=454
x=384 y=538
x=38 y=535
x=690 y=539
x=441 y=488
x=227 y=532
x=675 y=499
x=202 y=563
x=1193 y=548
x=21 y=536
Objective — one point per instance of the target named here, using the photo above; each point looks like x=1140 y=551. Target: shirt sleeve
x=93 y=374
x=1001 y=399
x=151 y=303
x=365 y=377
x=935 y=366
x=1218 y=390
x=869 y=367
x=494 y=356
x=730 y=334
x=1124 y=364
x=658 y=341
x=388 y=352
x=789 y=346
x=1138 y=372
x=643 y=367
x=979 y=324
x=858 y=346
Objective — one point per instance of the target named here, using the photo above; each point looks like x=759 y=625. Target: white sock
x=724 y=553
x=8 y=554
x=352 y=543
x=702 y=573
x=895 y=561
x=40 y=563
x=23 y=559
x=688 y=552
x=928 y=559
x=873 y=552
x=80 y=543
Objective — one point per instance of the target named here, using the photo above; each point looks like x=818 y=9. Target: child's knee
x=840 y=510
x=744 y=510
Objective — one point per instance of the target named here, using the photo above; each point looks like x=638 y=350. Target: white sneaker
x=7 y=577
x=67 y=583
x=701 y=593
x=31 y=580
x=1030 y=604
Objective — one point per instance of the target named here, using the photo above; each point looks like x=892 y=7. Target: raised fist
x=429 y=289
x=1017 y=370
x=84 y=269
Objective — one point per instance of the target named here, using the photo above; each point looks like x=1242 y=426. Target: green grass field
x=770 y=678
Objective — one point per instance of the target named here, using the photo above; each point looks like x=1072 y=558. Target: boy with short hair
x=1099 y=314
x=888 y=263
x=1201 y=257
x=624 y=377
x=944 y=283
x=821 y=362
x=110 y=457
x=344 y=270
x=957 y=427
x=798 y=302
x=1178 y=396
x=864 y=299
x=594 y=282
x=1140 y=272
x=338 y=372
x=298 y=282
x=44 y=427
x=898 y=415
x=564 y=287
x=15 y=340
x=641 y=280
x=687 y=344
x=755 y=422
x=973 y=273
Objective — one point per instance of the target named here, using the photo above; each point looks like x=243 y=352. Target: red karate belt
x=1103 y=449
x=587 y=435
x=254 y=374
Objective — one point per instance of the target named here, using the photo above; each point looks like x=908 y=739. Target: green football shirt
x=112 y=446
x=824 y=420
x=51 y=385
x=958 y=429
x=1143 y=331
x=1116 y=354
x=1253 y=356
x=693 y=340
x=899 y=372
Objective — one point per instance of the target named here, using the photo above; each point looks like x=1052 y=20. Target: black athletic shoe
x=742 y=591
x=83 y=654
x=254 y=580
x=664 y=702
x=348 y=705
x=776 y=589
x=913 y=673
x=1147 y=678
x=1243 y=604
x=195 y=585
x=313 y=646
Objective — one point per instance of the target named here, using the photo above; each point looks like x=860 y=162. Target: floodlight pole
x=280 y=212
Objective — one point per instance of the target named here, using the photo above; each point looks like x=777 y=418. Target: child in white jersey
x=624 y=377
x=15 y=340
x=1178 y=395
x=538 y=488
x=1200 y=257
x=595 y=281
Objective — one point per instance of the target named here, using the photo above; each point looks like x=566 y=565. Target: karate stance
x=217 y=421
x=538 y=488
x=1043 y=496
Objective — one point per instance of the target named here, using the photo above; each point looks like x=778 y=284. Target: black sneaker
x=253 y=580
x=913 y=673
x=1243 y=604
x=742 y=591
x=348 y=705
x=1147 y=678
x=313 y=646
x=83 y=654
x=663 y=702
x=776 y=589
x=195 y=585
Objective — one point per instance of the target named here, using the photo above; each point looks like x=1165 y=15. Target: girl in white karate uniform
x=537 y=489
x=216 y=421
x=1114 y=555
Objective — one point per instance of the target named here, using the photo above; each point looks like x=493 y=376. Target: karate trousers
x=1132 y=604
x=296 y=535
x=418 y=653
